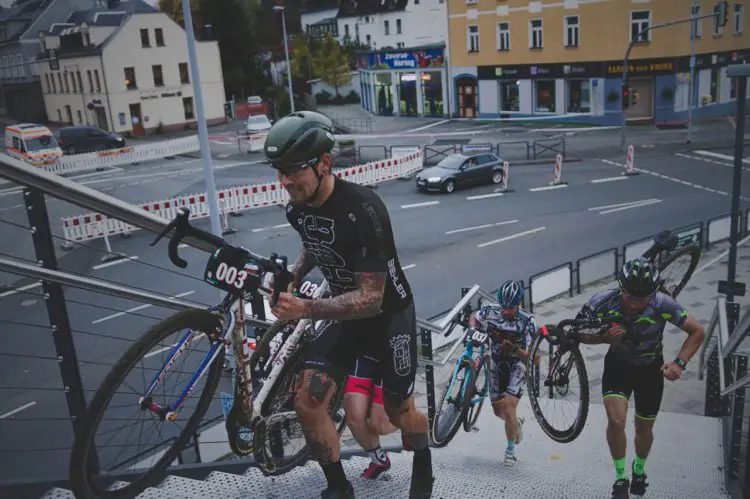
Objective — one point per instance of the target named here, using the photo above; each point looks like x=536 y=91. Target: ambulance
x=34 y=144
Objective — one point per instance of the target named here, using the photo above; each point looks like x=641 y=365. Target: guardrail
x=512 y=150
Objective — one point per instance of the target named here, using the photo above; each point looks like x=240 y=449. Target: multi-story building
x=565 y=58
x=127 y=71
x=20 y=91
x=404 y=70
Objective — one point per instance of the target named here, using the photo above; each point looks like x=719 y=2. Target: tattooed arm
x=304 y=264
x=360 y=303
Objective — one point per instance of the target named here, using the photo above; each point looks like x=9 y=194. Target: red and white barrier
x=256 y=142
x=557 y=175
x=630 y=161
x=91 y=226
x=506 y=173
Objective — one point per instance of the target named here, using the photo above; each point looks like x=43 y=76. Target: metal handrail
x=739 y=334
x=704 y=347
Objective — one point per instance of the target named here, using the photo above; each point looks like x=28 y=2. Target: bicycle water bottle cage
x=234 y=271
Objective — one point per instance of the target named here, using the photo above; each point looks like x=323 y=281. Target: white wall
x=78 y=101
x=124 y=50
x=489 y=92
x=320 y=85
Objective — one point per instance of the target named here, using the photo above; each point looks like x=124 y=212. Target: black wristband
x=680 y=363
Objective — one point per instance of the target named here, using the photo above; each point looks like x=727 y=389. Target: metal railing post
x=713 y=406
x=429 y=374
x=738 y=409
x=57 y=311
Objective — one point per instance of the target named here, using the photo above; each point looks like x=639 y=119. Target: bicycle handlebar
x=586 y=323
x=275 y=264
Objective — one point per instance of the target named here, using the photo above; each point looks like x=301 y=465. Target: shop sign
x=542 y=71
x=432 y=58
x=715 y=60
x=644 y=67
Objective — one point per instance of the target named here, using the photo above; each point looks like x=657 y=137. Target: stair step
x=189 y=488
x=240 y=486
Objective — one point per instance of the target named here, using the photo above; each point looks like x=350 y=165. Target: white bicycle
x=258 y=423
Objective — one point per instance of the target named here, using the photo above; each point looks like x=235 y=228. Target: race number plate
x=479 y=338
x=233 y=271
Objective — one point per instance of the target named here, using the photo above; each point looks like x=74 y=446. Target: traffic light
x=625 y=97
x=722 y=13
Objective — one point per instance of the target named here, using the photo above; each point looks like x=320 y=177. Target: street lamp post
x=279 y=8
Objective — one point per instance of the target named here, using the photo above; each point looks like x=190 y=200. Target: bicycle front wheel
x=557 y=378
x=479 y=391
x=199 y=324
x=677 y=269
x=453 y=405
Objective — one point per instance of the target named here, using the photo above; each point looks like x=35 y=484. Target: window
x=346 y=30
x=579 y=96
x=184 y=73
x=472 y=38
x=98 y=83
x=535 y=34
x=509 y=96
x=80 y=81
x=159 y=35
x=80 y=116
x=187 y=104
x=67 y=83
x=158 y=76
x=130 y=82
x=572 y=31
x=640 y=20
x=503 y=36
x=718 y=30
x=398 y=26
x=91 y=81
x=695 y=11
x=59 y=82
x=738 y=18
x=387 y=27
x=46 y=83
x=544 y=96
x=73 y=82
x=368 y=40
x=715 y=77
x=145 y=42
x=52 y=83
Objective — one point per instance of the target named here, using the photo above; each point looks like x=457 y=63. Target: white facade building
x=128 y=72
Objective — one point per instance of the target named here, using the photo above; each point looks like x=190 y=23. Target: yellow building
x=563 y=58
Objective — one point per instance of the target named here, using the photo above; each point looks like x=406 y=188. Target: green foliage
x=173 y=8
x=331 y=63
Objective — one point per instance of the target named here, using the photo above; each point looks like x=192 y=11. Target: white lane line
x=280 y=226
x=484 y=196
x=136 y=309
x=629 y=203
x=17 y=410
x=222 y=142
x=712 y=161
x=115 y=262
x=649 y=203
x=417 y=205
x=548 y=188
x=183 y=245
x=725 y=157
x=508 y=238
x=466 y=229
x=607 y=179
x=426 y=126
x=22 y=288
x=407 y=267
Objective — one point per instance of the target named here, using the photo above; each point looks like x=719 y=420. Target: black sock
x=335 y=475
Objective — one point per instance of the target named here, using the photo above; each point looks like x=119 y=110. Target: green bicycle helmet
x=298 y=139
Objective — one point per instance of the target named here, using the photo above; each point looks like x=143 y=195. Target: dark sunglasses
x=293 y=171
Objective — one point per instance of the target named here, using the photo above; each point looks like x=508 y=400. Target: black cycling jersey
x=351 y=232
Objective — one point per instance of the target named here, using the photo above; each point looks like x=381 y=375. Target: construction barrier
x=91 y=226
x=126 y=156
x=557 y=175
x=256 y=142
x=630 y=161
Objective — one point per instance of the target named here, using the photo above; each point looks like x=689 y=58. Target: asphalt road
x=446 y=241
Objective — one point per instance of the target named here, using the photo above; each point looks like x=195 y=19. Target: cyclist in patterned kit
x=635 y=366
x=510 y=329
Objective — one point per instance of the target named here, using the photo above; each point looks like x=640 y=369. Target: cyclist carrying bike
x=636 y=366
x=510 y=329
x=346 y=232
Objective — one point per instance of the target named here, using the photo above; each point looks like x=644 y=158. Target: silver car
x=461 y=170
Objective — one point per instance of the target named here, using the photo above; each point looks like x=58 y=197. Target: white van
x=34 y=144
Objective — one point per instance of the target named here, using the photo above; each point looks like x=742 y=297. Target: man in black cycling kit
x=636 y=366
x=346 y=232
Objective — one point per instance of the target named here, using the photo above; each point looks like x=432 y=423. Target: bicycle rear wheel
x=451 y=410
x=545 y=384
x=677 y=269
x=83 y=483
x=480 y=388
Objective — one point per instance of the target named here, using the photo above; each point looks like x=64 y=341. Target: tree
x=300 y=59
x=332 y=64
x=173 y=8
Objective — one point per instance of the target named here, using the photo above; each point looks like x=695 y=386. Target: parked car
x=85 y=138
x=258 y=123
x=461 y=170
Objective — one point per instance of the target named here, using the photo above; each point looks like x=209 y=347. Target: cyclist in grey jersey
x=635 y=366
x=510 y=329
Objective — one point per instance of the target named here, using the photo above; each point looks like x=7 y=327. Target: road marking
x=607 y=179
x=629 y=203
x=426 y=126
x=507 y=238
x=648 y=203
x=466 y=229
x=409 y=266
x=136 y=309
x=22 y=288
x=223 y=143
x=280 y=226
x=484 y=196
x=548 y=188
x=183 y=245
x=17 y=410
x=726 y=157
x=115 y=262
x=712 y=161
x=417 y=205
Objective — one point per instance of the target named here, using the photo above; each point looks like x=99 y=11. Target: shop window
x=715 y=77
x=544 y=96
x=579 y=96
x=508 y=98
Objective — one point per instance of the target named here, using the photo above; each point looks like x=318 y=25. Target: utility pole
x=691 y=83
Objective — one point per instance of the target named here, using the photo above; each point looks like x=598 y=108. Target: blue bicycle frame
x=476 y=340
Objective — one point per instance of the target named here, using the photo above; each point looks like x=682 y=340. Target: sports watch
x=680 y=363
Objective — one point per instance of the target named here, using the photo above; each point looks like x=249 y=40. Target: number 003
x=230 y=275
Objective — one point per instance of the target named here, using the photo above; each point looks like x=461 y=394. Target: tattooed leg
x=311 y=403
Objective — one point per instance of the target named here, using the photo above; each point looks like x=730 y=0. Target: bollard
x=226 y=230
x=504 y=185
x=629 y=162
x=557 y=176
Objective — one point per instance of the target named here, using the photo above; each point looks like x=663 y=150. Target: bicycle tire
x=472 y=412
x=82 y=484
x=468 y=381
x=695 y=255
x=565 y=436
x=259 y=431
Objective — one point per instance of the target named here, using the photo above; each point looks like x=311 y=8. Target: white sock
x=377 y=455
